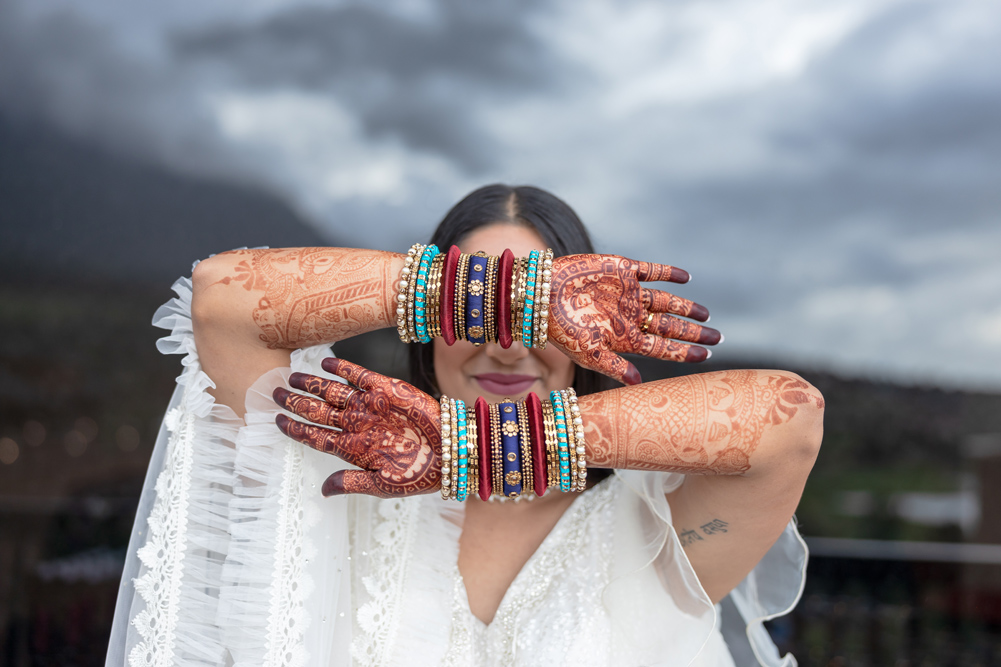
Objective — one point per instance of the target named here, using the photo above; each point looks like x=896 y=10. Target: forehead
x=493 y=239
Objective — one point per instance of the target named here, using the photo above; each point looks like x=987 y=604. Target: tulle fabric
x=236 y=559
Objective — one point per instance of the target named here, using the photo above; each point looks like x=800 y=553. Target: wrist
x=478 y=298
x=512 y=449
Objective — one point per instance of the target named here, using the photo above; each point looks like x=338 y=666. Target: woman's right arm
x=251 y=308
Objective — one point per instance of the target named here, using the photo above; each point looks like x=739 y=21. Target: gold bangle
x=461 y=277
x=527 y=479
x=576 y=424
x=411 y=296
x=542 y=323
x=472 y=453
x=571 y=441
x=408 y=276
x=489 y=301
x=433 y=311
x=455 y=450
x=552 y=462
x=518 y=283
x=497 y=463
x=446 y=447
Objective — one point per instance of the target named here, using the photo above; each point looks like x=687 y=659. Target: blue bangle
x=420 y=294
x=475 y=288
x=509 y=449
x=561 y=439
x=532 y=273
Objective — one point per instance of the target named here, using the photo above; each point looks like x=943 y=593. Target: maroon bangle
x=482 y=412
x=504 y=268
x=538 y=432
x=446 y=312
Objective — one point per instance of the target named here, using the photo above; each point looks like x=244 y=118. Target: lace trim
x=163 y=553
x=546 y=568
x=378 y=619
x=291 y=584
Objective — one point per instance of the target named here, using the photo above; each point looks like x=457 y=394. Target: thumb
x=349 y=481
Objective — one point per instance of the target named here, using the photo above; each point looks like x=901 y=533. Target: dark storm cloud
x=894 y=148
x=420 y=81
x=64 y=70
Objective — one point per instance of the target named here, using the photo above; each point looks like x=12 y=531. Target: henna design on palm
x=388 y=428
x=597 y=309
x=709 y=423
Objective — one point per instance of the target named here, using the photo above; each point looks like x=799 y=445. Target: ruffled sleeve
x=771 y=589
x=222 y=565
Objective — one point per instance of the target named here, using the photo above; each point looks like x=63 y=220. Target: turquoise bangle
x=420 y=294
x=531 y=275
x=561 y=437
x=463 y=481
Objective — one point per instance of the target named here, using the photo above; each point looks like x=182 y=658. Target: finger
x=669 y=326
x=333 y=392
x=352 y=481
x=614 y=366
x=670 y=350
x=307 y=407
x=649 y=272
x=664 y=302
x=353 y=373
x=321 y=439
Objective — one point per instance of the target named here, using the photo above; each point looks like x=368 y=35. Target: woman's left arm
x=746 y=440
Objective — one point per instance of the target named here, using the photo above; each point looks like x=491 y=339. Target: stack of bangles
x=512 y=449
x=474 y=297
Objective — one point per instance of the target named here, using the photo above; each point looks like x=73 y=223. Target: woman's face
x=467 y=372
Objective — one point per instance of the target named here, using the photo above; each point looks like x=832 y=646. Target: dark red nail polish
x=700 y=313
x=696 y=354
x=632 y=376
x=710 y=337
x=333 y=486
x=298 y=381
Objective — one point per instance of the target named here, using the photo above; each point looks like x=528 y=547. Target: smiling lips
x=503 y=384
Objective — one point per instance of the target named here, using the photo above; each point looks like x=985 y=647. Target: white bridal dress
x=236 y=559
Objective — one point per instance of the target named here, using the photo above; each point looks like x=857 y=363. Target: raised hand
x=597 y=308
x=388 y=428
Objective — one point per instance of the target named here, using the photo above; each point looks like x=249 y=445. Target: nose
x=508 y=357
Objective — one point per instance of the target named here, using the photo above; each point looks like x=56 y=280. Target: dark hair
x=527 y=206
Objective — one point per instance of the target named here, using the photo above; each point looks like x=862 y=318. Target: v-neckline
x=558 y=527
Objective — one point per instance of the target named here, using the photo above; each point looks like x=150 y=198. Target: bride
x=670 y=544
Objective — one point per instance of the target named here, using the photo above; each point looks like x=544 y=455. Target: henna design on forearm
x=389 y=428
x=597 y=308
x=709 y=423
x=317 y=295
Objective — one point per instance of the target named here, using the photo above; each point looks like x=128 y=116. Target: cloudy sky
x=829 y=171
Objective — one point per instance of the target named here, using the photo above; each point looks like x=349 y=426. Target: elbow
x=208 y=273
x=808 y=418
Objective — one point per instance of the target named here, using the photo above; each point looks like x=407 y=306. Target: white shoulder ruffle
x=222 y=565
x=772 y=588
